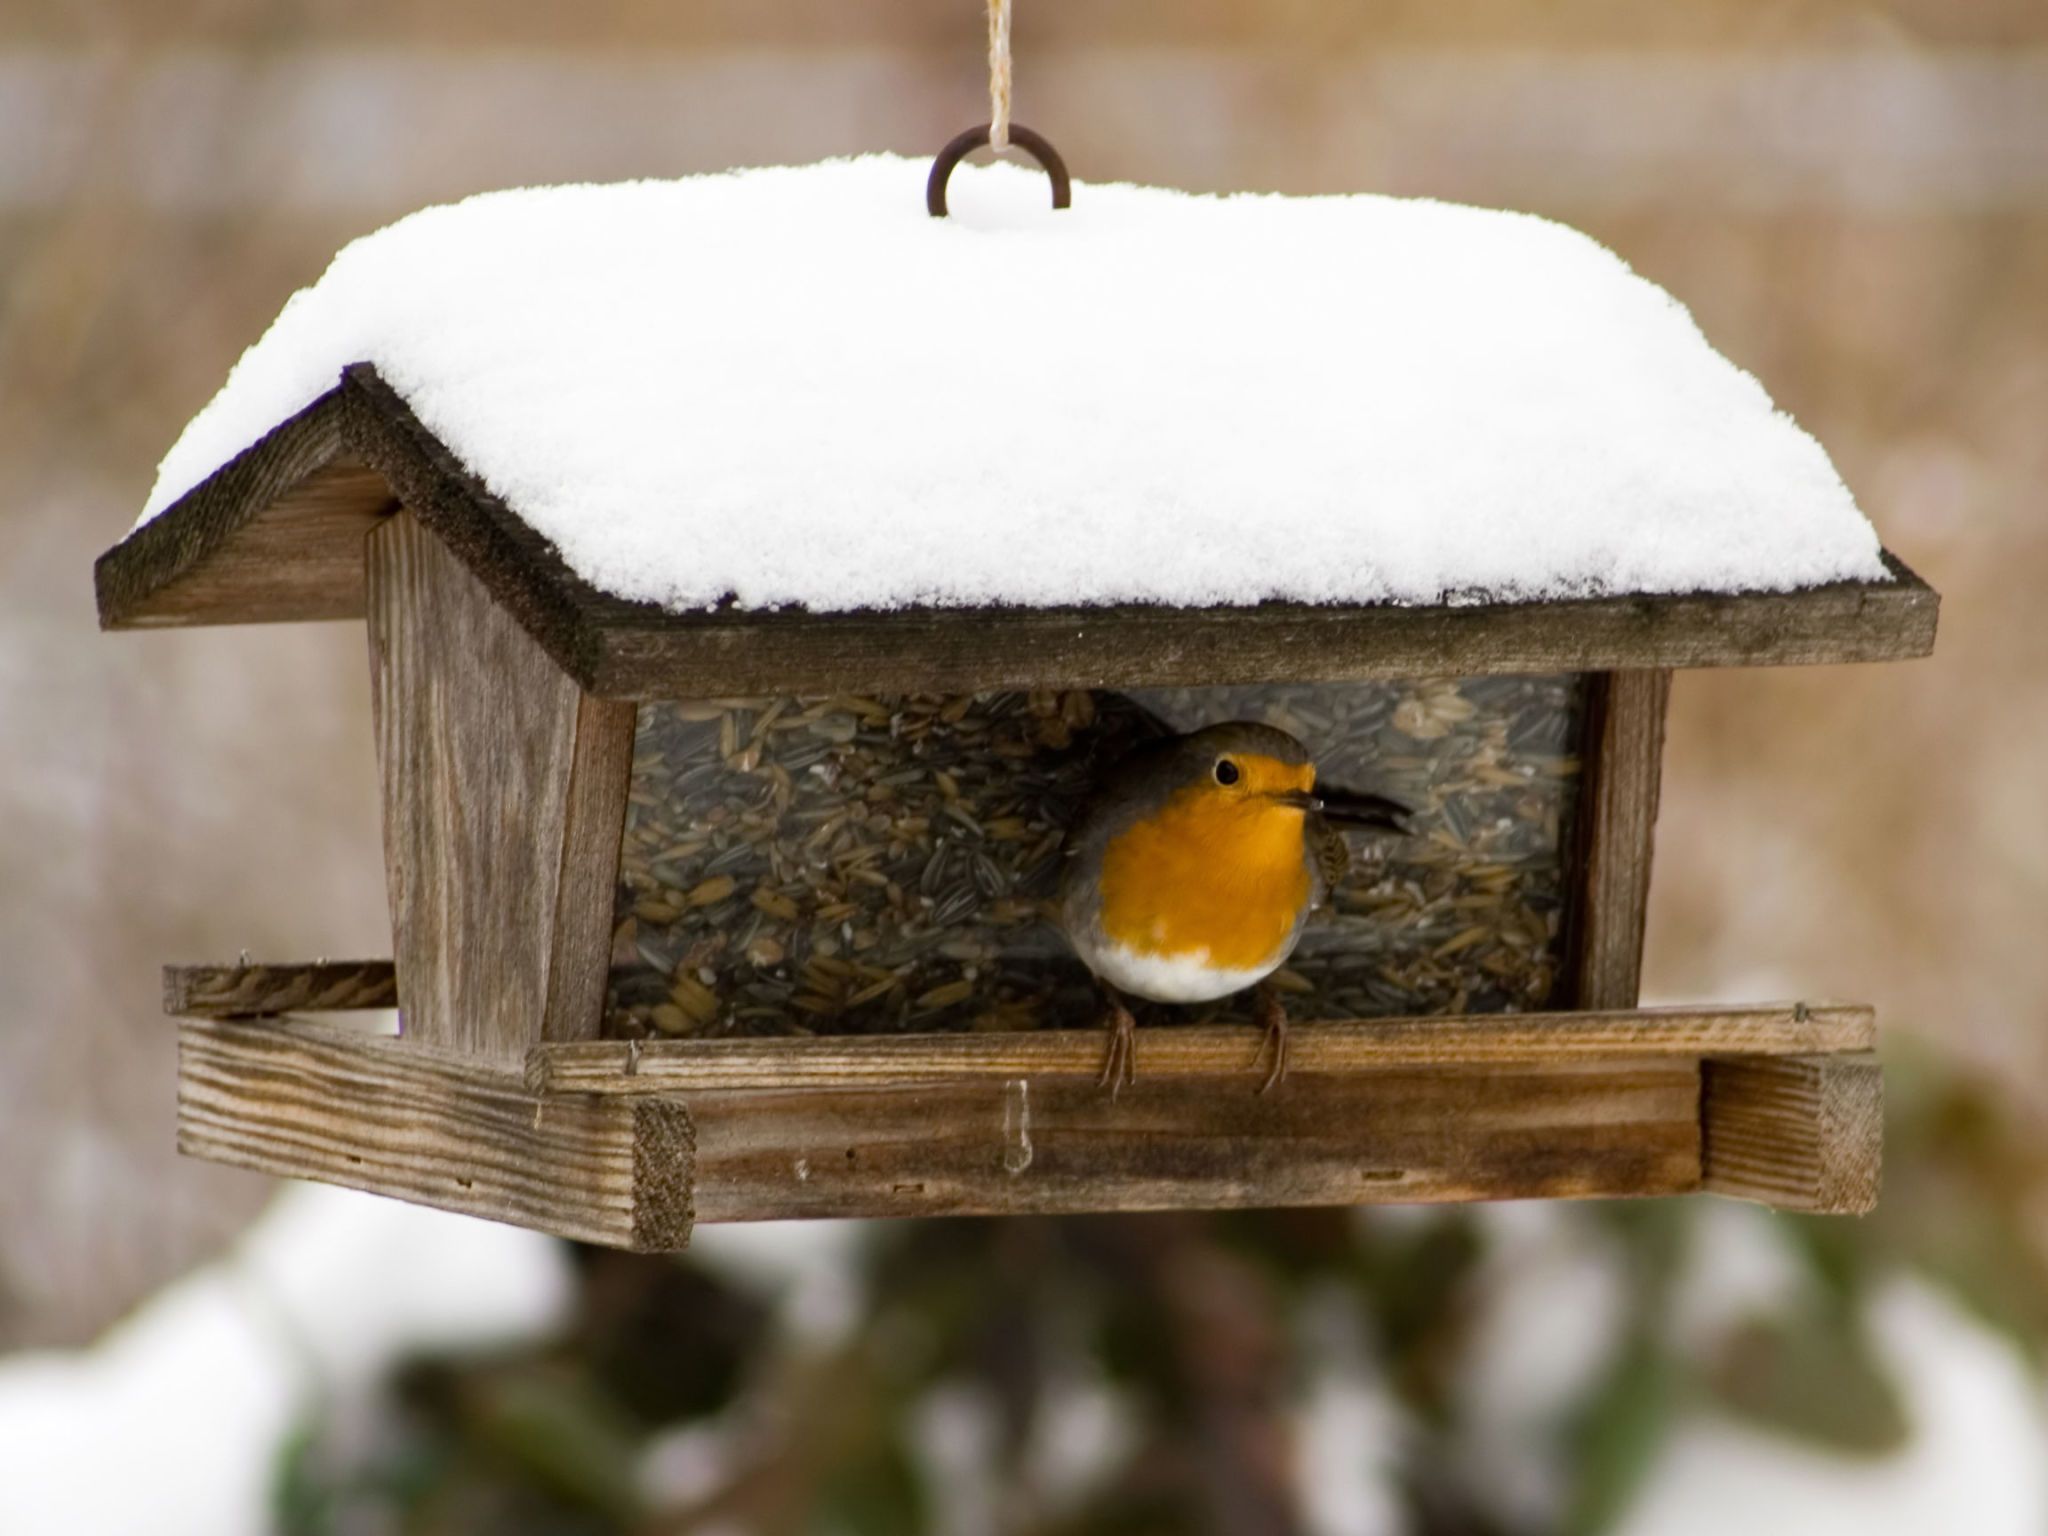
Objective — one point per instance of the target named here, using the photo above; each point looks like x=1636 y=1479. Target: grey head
x=1155 y=770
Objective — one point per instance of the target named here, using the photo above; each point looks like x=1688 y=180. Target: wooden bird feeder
x=727 y=916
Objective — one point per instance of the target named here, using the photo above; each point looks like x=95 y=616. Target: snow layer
x=793 y=386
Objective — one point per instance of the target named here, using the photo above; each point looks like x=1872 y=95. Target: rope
x=999 y=75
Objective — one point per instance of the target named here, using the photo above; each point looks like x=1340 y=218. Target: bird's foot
x=1120 y=1066
x=1271 y=1013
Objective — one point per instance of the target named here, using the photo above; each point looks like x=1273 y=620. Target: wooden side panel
x=499 y=781
x=1624 y=754
x=302 y=1101
x=1039 y=1146
x=1797 y=1133
x=275 y=534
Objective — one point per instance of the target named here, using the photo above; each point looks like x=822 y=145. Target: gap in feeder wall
x=886 y=865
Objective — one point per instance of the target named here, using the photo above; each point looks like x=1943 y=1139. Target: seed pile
x=856 y=865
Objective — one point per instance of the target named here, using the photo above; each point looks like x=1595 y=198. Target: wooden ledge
x=277 y=533
x=1196 y=1051
x=372 y=1113
x=628 y=1145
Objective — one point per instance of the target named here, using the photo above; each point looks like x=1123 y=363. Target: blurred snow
x=1347 y=1432
x=1738 y=1267
x=1555 y=1291
x=171 y=1424
x=807 y=1269
x=200 y=1388
x=1976 y=1463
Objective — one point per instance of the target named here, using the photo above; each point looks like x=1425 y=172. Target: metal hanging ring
x=1033 y=144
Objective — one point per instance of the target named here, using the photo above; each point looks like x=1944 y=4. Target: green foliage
x=1813 y=1375
x=1617 y=1433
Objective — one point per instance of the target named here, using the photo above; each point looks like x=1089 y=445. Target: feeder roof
x=793 y=388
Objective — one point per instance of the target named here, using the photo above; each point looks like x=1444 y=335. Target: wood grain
x=304 y=1101
x=1208 y=1051
x=593 y=828
x=1610 y=1116
x=497 y=780
x=274 y=534
x=1796 y=1133
x=1617 y=820
x=249 y=991
x=622 y=651
x=1569 y=1129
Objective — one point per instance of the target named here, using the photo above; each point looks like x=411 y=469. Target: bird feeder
x=727 y=912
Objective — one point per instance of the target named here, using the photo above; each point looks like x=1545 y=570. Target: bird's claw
x=1272 y=1013
x=1120 y=1065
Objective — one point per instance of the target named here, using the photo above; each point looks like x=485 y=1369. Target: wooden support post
x=504 y=801
x=1800 y=1133
x=1624 y=750
x=305 y=1101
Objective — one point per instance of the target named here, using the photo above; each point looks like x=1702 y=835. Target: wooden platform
x=630 y=1144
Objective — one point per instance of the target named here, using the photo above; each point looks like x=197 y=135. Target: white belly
x=1184 y=978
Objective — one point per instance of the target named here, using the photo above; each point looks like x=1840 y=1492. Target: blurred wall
x=1852 y=198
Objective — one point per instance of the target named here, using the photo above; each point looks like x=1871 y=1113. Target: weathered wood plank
x=1624 y=765
x=1797 y=1133
x=621 y=651
x=390 y=1117
x=593 y=825
x=275 y=534
x=1211 y=1051
x=1571 y=1129
x=480 y=738
x=299 y=1099
x=250 y=991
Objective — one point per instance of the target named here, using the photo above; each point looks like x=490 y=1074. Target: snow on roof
x=794 y=386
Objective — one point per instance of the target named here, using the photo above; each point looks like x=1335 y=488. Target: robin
x=1192 y=871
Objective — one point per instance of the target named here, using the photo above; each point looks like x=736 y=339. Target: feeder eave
x=276 y=534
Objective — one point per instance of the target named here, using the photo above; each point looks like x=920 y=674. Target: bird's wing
x=1330 y=856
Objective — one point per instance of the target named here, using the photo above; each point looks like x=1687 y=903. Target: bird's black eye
x=1226 y=771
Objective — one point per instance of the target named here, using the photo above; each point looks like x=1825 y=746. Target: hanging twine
x=999 y=75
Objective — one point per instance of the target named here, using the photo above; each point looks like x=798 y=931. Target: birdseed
x=857 y=865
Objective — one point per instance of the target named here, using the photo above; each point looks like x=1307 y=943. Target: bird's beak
x=1356 y=808
x=1299 y=799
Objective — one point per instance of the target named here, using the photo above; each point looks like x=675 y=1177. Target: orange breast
x=1210 y=871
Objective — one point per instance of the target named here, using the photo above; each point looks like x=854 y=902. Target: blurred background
x=1852 y=198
